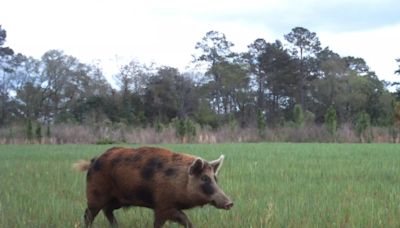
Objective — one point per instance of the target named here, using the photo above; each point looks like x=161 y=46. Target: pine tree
x=331 y=120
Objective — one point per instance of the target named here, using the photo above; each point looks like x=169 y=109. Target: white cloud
x=166 y=31
x=378 y=47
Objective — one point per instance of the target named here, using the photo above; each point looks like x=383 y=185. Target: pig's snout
x=222 y=203
x=228 y=206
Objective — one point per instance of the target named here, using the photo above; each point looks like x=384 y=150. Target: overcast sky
x=166 y=31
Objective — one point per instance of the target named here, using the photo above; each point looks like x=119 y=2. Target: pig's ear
x=217 y=164
x=196 y=167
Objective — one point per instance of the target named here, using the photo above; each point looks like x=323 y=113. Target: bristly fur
x=150 y=177
x=81 y=165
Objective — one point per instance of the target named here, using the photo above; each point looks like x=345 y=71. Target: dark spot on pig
x=137 y=157
x=97 y=165
x=170 y=172
x=128 y=160
x=145 y=195
x=207 y=188
x=133 y=159
x=150 y=168
x=116 y=160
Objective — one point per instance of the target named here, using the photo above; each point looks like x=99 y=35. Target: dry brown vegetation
x=79 y=134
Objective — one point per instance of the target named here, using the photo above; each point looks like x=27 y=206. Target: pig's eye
x=205 y=178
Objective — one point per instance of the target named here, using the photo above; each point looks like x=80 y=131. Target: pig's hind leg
x=90 y=214
x=112 y=205
x=161 y=216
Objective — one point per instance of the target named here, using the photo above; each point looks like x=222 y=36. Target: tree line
x=272 y=84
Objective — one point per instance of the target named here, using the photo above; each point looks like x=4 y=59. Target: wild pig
x=155 y=178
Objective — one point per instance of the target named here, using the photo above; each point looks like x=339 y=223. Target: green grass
x=272 y=185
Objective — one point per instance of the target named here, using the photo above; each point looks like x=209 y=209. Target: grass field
x=272 y=185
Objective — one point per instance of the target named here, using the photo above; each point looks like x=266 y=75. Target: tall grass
x=272 y=185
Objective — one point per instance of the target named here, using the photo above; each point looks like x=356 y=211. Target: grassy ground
x=272 y=185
